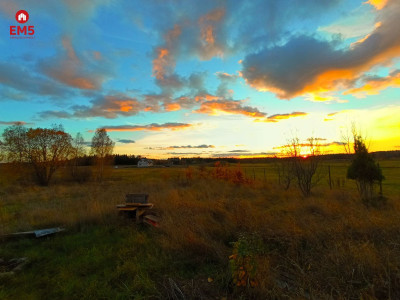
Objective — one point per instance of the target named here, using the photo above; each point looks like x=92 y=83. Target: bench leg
x=139 y=216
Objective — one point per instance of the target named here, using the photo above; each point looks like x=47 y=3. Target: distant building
x=144 y=163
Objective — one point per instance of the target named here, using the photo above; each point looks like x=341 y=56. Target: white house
x=144 y=163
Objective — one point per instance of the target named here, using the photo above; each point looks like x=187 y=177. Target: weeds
x=329 y=246
x=243 y=260
x=233 y=175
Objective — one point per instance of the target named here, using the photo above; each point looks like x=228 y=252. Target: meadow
x=220 y=237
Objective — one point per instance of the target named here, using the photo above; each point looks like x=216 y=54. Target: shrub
x=364 y=170
x=243 y=260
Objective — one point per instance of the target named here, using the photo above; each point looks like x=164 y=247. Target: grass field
x=214 y=234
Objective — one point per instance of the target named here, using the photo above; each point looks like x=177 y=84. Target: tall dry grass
x=326 y=246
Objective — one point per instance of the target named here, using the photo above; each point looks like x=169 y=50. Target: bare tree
x=102 y=148
x=348 y=137
x=2 y=154
x=303 y=165
x=14 y=151
x=14 y=144
x=77 y=152
x=285 y=173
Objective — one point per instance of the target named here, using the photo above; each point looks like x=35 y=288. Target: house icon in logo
x=22 y=16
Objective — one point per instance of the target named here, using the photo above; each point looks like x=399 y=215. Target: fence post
x=330 y=180
x=380 y=184
x=279 y=175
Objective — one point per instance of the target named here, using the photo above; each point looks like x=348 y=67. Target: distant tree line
x=272 y=159
x=125 y=159
x=44 y=150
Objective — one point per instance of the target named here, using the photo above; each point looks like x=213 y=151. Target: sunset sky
x=205 y=78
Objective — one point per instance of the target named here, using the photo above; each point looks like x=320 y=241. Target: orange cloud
x=110 y=106
x=378 y=4
x=362 y=40
x=332 y=114
x=14 y=123
x=336 y=78
x=164 y=61
x=307 y=65
x=278 y=117
x=207 y=34
x=149 y=127
x=161 y=63
x=209 y=45
x=329 y=116
x=327 y=81
x=66 y=42
x=172 y=106
x=376 y=84
x=206 y=97
x=172 y=35
x=323 y=97
x=230 y=107
x=70 y=70
x=117 y=105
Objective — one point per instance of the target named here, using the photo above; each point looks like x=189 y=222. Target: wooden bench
x=136 y=205
x=137 y=198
